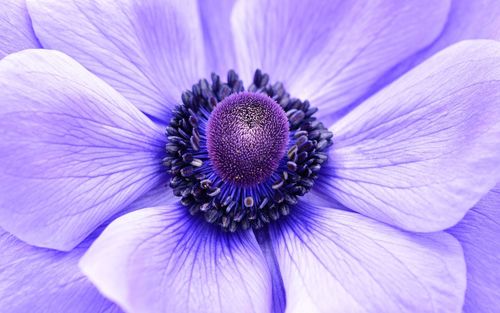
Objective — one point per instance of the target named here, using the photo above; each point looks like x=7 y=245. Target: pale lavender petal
x=16 y=33
x=46 y=281
x=160 y=196
x=51 y=281
x=470 y=20
x=162 y=259
x=337 y=261
x=479 y=234
x=73 y=151
x=149 y=50
x=330 y=52
x=218 y=38
x=466 y=20
x=423 y=151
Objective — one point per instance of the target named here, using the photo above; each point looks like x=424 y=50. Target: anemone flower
x=322 y=174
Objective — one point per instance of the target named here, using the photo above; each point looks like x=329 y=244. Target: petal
x=469 y=20
x=163 y=260
x=423 y=151
x=73 y=151
x=466 y=20
x=159 y=196
x=478 y=233
x=337 y=261
x=51 y=280
x=47 y=280
x=218 y=38
x=330 y=52
x=16 y=33
x=150 y=51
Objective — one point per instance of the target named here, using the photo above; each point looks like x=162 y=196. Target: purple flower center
x=247 y=135
x=241 y=159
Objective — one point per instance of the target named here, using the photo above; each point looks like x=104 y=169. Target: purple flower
x=97 y=128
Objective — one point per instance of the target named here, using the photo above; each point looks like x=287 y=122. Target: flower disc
x=247 y=135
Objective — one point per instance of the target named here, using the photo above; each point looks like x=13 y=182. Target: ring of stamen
x=222 y=200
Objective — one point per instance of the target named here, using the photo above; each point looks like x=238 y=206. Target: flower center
x=247 y=134
x=242 y=159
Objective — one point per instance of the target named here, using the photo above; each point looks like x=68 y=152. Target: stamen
x=249 y=202
x=273 y=158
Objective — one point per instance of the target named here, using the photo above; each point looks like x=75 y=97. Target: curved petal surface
x=16 y=33
x=478 y=233
x=50 y=280
x=219 y=43
x=469 y=20
x=46 y=280
x=330 y=52
x=164 y=260
x=337 y=261
x=466 y=20
x=423 y=151
x=150 y=51
x=73 y=151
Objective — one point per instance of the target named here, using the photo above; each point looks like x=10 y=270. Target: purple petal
x=479 y=232
x=330 y=52
x=45 y=280
x=159 y=196
x=219 y=43
x=73 y=151
x=423 y=151
x=337 y=261
x=163 y=260
x=150 y=51
x=466 y=20
x=16 y=33
x=470 y=20
x=51 y=280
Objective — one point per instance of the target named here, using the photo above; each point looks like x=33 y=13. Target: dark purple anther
x=247 y=135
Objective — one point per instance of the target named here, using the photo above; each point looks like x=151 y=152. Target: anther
x=206 y=183
x=249 y=202
x=278 y=184
x=214 y=192
x=291 y=166
x=195 y=143
x=196 y=162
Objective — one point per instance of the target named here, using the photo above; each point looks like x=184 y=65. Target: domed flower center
x=242 y=159
x=247 y=135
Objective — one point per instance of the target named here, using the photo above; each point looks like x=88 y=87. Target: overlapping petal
x=150 y=51
x=478 y=233
x=73 y=151
x=46 y=281
x=330 y=52
x=219 y=43
x=424 y=150
x=15 y=24
x=337 y=261
x=466 y=20
x=163 y=260
x=50 y=280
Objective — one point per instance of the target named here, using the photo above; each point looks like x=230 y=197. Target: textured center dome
x=247 y=135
